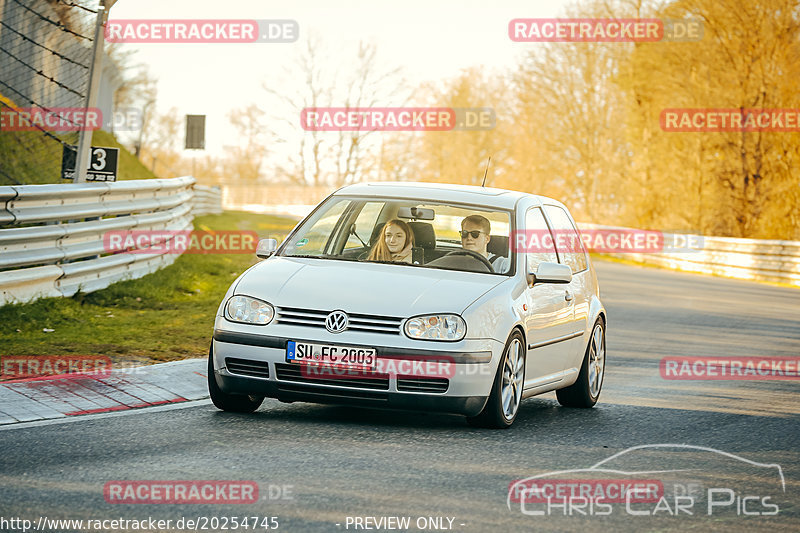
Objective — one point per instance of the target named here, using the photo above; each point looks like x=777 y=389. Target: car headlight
x=436 y=327
x=249 y=310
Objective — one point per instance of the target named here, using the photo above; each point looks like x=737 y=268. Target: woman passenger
x=396 y=244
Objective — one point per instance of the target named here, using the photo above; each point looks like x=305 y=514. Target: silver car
x=421 y=296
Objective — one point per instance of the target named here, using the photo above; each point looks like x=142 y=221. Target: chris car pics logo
x=656 y=480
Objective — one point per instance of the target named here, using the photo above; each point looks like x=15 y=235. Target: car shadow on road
x=533 y=414
x=541 y=420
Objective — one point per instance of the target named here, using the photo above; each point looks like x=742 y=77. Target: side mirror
x=266 y=247
x=550 y=273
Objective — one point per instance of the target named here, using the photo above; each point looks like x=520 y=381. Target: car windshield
x=406 y=232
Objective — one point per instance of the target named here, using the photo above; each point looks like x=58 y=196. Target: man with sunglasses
x=475 y=232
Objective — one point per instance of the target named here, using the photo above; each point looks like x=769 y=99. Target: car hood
x=368 y=288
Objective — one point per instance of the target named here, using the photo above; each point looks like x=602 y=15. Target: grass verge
x=165 y=316
x=31 y=158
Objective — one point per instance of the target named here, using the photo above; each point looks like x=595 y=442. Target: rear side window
x=568 y=241
x=536 y=242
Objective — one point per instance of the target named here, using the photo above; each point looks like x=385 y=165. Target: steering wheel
x=474 y=255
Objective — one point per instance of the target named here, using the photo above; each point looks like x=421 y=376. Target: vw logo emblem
x=336 y=322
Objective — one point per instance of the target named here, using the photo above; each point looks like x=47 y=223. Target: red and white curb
x=68 y=395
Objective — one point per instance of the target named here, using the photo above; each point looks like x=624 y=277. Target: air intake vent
x=353 y=378
x=418 y=384
x=246 y=367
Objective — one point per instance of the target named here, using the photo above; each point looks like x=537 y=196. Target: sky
x=429 y=39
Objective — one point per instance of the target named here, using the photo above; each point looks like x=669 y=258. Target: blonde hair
x=380 y=252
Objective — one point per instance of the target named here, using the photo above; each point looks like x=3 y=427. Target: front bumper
x=248 y=363
x=286 y=391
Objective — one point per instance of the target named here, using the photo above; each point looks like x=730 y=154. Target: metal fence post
x=95 y=71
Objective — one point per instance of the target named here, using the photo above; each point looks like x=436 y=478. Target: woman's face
x=395 y=238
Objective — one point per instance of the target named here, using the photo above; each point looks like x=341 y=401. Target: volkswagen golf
x=416 y=296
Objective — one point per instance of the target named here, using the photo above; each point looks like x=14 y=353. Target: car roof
x=446 y=192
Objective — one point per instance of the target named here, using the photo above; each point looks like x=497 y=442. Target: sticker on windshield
x=301 y=242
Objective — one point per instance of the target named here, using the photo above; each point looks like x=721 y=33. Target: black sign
x=195 y=132
x=102 y=164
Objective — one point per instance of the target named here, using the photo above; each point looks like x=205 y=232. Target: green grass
x=165 y=316
x=130 y=168
x=31 y=158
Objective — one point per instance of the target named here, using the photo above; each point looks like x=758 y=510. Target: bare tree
x=137 y=90
x=340 y=157
x=304 y=167
x=567 y=93
x=460 y=155
x=369 y=86
x=245 y=160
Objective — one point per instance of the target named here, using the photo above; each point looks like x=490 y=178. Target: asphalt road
x=335 y=464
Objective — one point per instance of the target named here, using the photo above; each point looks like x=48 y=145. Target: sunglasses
x=474 y=234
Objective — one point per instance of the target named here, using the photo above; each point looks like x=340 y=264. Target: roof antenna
x=486 y=171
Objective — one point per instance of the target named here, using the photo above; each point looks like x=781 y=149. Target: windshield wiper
x=322 y=256
x=392 y=263
x=309 y=256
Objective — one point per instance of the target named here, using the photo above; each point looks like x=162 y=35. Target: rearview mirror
x=415 y=213
x=550 y=273
x=266 y=247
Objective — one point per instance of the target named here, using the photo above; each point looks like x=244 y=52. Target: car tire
x=586 y=389
x=508 y=384
x=236 y=403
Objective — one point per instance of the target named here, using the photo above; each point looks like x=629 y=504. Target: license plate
x=326 y=354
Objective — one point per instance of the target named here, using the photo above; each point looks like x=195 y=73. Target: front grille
x=246 y=367
x=316 y=319
x=362 y=379
x=298 y=391
x=422 y=384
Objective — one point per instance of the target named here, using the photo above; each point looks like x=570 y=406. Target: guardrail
x=207 y=200
x=759 y=260
x=51 y=236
